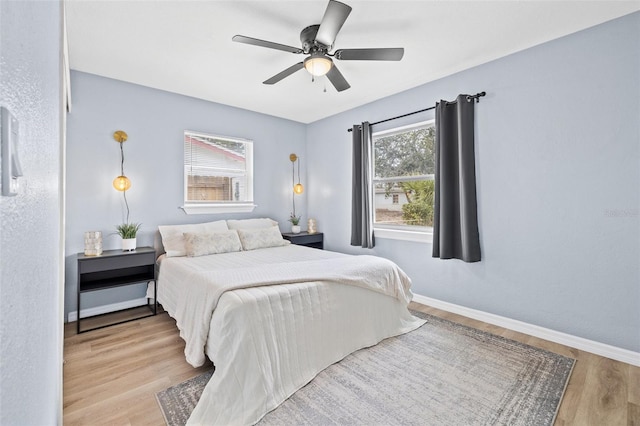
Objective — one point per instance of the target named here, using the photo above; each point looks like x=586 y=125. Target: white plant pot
x=295 y=229
x=128 y=244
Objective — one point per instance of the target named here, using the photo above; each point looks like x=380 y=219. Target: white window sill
x=403 y=235
x=218 y=208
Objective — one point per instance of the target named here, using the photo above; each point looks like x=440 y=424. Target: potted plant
x=295 y=220
x=127 y=232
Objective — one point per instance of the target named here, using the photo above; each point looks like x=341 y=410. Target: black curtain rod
x=469 y=99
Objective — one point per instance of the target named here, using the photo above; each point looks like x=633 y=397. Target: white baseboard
x=602 y=349
x=105 y=309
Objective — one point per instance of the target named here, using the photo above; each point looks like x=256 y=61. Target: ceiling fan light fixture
x=318 y=65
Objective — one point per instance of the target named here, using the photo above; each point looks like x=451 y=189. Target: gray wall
x=30 y=317
x=558 y=167
x=155 y=122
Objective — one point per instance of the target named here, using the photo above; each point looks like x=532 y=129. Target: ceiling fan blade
x=264 y=43
x=333 y=19
x=382 y=54
x=337 y=79
x=286 y=73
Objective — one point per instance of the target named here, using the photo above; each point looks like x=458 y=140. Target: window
x=404 y=181
x=218 y=174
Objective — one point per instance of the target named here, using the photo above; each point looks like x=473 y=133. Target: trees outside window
x=404 y=167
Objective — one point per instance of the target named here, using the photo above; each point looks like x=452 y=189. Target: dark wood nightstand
x=305 y=239
x=116 y=268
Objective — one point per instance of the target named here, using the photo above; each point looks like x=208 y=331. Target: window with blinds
x=218 y=171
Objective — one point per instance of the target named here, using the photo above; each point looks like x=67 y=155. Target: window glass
x=217 y=170
x=403 y=177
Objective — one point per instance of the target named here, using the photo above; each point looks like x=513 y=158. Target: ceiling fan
x=317 y=42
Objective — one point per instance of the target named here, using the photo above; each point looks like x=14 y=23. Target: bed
x=271 y=315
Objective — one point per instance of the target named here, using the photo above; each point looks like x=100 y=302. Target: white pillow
x=173 y=238
x=251 y=223
x=202 y=244
x=261 y=238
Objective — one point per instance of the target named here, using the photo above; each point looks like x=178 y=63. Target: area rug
x=443 y=373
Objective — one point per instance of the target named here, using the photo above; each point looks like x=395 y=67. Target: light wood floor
x=111 y=375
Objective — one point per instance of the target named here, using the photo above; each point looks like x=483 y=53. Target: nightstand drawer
x=106 y=263
x=305 y=239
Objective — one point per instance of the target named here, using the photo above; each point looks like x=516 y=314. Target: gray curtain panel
x=455 y=227
x=362 y=198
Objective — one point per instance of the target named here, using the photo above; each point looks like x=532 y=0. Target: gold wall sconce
x=121 y=183
x=297 y=187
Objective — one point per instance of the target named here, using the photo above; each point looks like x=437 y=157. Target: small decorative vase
x=295 y=229
x=93 y=243
x=128 y=244
x=312 y=226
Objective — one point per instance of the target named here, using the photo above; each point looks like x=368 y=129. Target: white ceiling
x=185 y=46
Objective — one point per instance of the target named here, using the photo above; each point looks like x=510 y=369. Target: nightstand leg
x=78 y=314
x=155 y=297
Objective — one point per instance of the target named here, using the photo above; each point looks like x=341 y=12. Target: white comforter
x=194 y=308
x=269 y=341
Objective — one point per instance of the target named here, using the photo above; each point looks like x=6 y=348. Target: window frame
x=213 y=207
x=423 y=234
